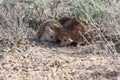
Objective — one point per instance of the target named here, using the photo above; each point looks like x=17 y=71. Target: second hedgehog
x=74 y=31
x=48 y=30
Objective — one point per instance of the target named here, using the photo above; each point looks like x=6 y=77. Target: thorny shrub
x=17 y=15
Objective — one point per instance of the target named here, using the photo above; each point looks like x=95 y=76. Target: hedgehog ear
x=47 y=29
x=70 y=40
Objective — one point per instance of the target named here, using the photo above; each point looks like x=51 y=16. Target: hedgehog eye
x=51 y=36
x=65 y=40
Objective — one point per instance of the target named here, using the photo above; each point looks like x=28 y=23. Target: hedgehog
x=48 y=31
x=63 y=20
x=69 y=21
x=74 y=32
x=67 y=37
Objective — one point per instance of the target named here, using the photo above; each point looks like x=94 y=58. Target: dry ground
x=33 y=60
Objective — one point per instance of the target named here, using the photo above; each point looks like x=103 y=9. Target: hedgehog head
x=64 y=38
x=48 y=35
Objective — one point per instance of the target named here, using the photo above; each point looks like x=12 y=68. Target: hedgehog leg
x=81 y=43
x=78 y=45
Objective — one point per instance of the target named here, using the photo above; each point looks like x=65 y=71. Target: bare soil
x=33 y=60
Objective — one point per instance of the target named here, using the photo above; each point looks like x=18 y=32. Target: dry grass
x=22 y=57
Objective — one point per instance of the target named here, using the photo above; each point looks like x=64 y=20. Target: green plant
x=85 y=8
x=29 y=1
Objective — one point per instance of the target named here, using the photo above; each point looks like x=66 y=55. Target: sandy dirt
x=33 y=60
